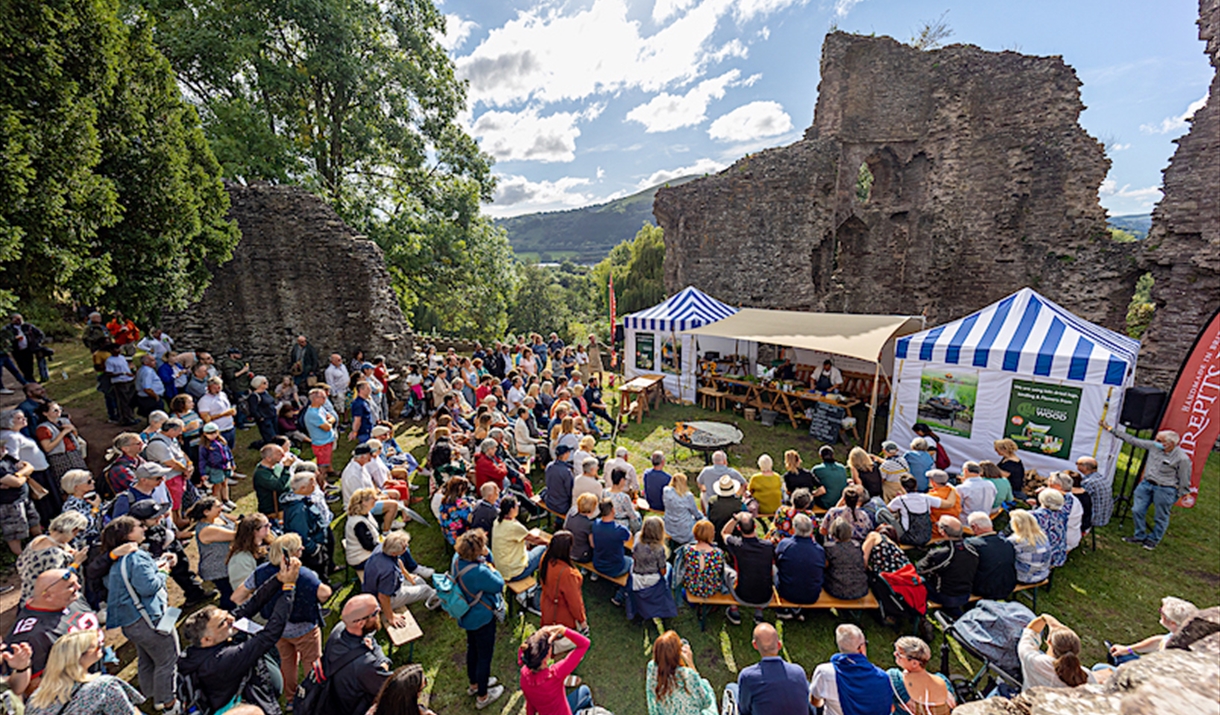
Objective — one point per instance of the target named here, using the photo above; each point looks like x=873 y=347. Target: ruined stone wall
x=298 y=270
x=984 y=183
x=1183 y=248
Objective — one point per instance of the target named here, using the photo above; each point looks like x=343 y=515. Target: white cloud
x=456 y=31
x=1119 y=147
x=703 y=166
x=666 y=112
x=553 y=52
x=517 y=195
x=765 y=33
x=751 y=121
x=1126 y=200
x=1173 y=124
x=527 y=136
x=601 y=173
x=842 y=7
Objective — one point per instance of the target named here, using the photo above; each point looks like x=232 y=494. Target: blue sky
x=581 y=101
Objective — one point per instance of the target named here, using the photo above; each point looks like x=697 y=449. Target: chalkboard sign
x=825 y=423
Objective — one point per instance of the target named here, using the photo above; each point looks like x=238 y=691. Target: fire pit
x=946 y=407
x=705 y=436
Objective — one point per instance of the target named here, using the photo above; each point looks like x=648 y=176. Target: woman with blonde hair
x=1011 y=466
x=362 y=533
x=1032 y=547
x=865 y=470
x=68 y=688
x=673 y=685
x=916 y=691
x=797 y=477
x=1059 y=666
x=681 y=513
x=584 y=450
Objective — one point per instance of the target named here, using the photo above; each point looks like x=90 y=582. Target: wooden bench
x=517 y=588
x=641 y=504
x=824 y=602
x=588 y=568
x=711 y=398
x=537 y=499
x=1033 y=587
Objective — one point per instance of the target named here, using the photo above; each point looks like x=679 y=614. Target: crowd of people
x=99 y=551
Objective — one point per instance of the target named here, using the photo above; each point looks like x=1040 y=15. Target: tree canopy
x=109 y=193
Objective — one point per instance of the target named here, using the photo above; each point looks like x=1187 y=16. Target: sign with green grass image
x=1042 y=417
x=947 y=399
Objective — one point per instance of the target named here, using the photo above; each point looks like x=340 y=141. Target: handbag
x=37 y=491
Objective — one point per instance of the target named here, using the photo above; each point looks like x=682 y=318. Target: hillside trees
x=109 y=193
x=638 y=267
x=356 y=100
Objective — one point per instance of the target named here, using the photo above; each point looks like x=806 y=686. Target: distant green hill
x=583 y=235
x=1138 y=224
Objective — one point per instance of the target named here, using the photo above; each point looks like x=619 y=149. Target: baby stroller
x=989 y=632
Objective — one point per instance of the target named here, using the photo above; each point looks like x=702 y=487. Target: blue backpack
x=450 y=592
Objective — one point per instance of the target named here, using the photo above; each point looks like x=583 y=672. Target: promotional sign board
x=947 y=399
x=671 y=355
x=1042 y=417
x=1193 y=411
x=645 y=351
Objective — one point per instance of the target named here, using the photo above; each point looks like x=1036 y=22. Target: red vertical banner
x=1194 y=405
x=613 y=320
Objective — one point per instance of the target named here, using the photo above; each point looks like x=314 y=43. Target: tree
x=102 y=166
x=932 y=34
x=644 y=284
x=357 y=100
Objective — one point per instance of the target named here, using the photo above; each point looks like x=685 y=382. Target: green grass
x=1112 y=593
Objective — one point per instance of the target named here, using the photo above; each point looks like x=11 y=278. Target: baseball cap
x=152 y=470
x=362 y=449
x=211 y=427
x=148 y=509
x=562 y=449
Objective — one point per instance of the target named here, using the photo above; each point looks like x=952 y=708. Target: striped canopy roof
x=687 y=309
x=1027 y=334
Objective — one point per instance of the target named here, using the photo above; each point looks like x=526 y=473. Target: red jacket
x=488 y=469
x=908 y=584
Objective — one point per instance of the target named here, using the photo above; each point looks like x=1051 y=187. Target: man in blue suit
x=771 y=686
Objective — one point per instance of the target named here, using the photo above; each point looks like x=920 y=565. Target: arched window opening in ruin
x=864 y=183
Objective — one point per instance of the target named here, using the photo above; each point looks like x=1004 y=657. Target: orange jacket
x=947 y=495
x=562 y=603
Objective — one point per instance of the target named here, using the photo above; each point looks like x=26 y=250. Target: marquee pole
x=872 y=408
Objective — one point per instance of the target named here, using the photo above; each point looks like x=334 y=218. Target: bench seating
x=537 y=499
x=825 y=602
x=588 y=567
x=517 y=588
x=1033 y=587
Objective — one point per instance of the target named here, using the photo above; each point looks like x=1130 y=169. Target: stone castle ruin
x=935 y=181
x=298 y=270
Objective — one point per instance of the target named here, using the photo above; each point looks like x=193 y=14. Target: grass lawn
x=1112 y=593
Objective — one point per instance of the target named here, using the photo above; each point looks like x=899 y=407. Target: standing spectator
x=996 y=576
x=260 y=405
x=1033 y=549
x=197 y=381
x=561 y=601
x=800 y=563
x=123 y=458
x=1011 y=467
x=122 y=381
x=846 y=576
x=137 y=602
x=337 y=376
x=7 y=346
x=753 y=558
x=183 y=407
x=51 y=551
x=237 y=375
x=149 y=484
x=164 y=449
x=475 y=576
x=977 y=494
x=949 y=568
x=215 y=407
x=393 y=576
x=771 y=686
x=681 y=512
x=1100 y=487
x=849 y=676
x=123 y=331
x=323 y=429
x=95 y=336
x=304 y=517
x=353 y=661
x=271 y=478
x=831 y=475
x=28 y=450
x=63 y=446
x=249 y=547
x=18 y=517
x=302 y=362
x=69 y=688
x=161 y=538
x=150 y=390
x=223 y=669
x=84 y=500
x=214 y=532
x=53 y=609
x=1166 y=480
x=543 y=685
x=300 y=645
x=216 y=462
x=26 y=340
x=362 y=414
x=655 y=480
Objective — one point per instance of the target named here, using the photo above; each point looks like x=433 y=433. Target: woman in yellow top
x=767 y=487
x=508 y=540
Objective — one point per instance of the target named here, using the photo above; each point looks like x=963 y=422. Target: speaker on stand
x=1142 y=410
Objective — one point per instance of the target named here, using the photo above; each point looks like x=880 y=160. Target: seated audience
x=487 y=508
x=919 y=461
x=580 y=526
x=455 y=509
x=800 y=562
x=797 y=477
x=882 y=554
x=865 y=471
x=993 y=476
x=915 y=512
x=849 y=510
x=850 y=676
x=802 y=503
x=766 y=487
x=916 y=691
x=996 y=576
x=977 y=493
x=1053 y=518
x=401 y=692
x=699 y=566
x=561 y=600
x=845 y=578
x=1175 y=612
x=712 y=474
x=681 y=512
x=754 y=559
x=587 y=482
x=771 y=686
x=949 y=567
x=559 y=479
x=893 y=467
x=393 y=576
x=673 y=685
x=950 y=502
x=509 y=538
x=1033 y=549
x=724 y=504
x=655 y=480
x=361 y=533
x=621 y=494
x=609 y=536
x=1059 y=666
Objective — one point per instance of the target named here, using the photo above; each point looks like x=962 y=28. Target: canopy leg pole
x=872 y=408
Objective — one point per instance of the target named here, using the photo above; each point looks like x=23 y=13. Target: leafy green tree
x=541 y=303
x=356 y=100
x=644 y=284
x=108 y=190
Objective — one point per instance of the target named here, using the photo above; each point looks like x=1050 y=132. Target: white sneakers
x=493 y=694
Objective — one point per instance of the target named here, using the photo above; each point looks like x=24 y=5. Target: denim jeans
x=580 y=698
x=6 y=363
x=534 y=557
x=1161 y=499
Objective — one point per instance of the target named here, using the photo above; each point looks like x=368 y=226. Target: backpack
x=942 y=457
x=450 y=592
x=314 y=693
x=193 y=699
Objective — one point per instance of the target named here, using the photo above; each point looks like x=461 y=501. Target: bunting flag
x=613 y=320
x=1191 y=411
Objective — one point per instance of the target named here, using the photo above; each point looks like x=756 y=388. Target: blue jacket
x=773 y=686
x=303 y=518
x=148 y=583
x=480 y=578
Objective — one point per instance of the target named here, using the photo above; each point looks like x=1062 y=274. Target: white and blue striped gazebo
x=656 y=340
x=685 y=310
x=1022 y=368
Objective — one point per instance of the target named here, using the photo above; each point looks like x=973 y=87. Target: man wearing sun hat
x=724 y=503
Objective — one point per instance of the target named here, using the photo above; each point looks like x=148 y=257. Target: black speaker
x=1142 y=407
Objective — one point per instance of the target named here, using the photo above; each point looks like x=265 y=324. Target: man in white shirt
x=156 y=343
x=826 y=378
x=124 y=383
x=214 y=406
x=516 y=395
x=977 y=494
x=357 y=476
x=620 y=462
x=337 y=376
x=587 y=482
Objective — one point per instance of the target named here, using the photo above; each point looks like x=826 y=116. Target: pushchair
x=989 y=632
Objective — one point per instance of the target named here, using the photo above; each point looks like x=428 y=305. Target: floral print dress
x=104 y=695
x=455 y=518
x=1055 y=525
x=704 y=573
x=886 y=557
